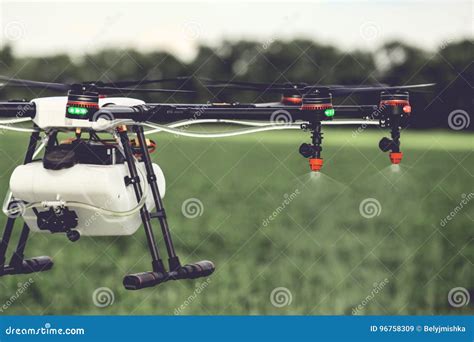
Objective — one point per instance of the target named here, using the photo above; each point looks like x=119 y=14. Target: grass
x=319 y=247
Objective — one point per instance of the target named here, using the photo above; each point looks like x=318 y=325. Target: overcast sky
x=40 y=27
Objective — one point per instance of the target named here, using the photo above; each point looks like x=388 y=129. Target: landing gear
x=64 y=220
x=159 y=274
x=17 y=264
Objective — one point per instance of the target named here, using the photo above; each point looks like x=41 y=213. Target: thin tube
x=18 y=129
x=262 y=124
x=13 y=121
x=159 y=128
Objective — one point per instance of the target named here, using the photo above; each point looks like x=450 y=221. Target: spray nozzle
x=396 y=157
x=315 y=164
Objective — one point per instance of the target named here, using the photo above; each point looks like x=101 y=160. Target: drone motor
x=318 y=104
x=81 y=103
x=395 y=108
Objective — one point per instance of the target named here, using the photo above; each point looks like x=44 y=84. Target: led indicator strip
x=77 y=111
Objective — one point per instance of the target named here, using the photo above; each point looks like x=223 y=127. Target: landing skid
x=159 y=273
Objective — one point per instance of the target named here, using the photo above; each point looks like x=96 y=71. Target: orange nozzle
x=315 y=164
x=396 y=157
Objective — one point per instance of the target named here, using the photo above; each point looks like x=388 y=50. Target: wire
x=265 y=123
x=13 y=121
x=5 y=124
x=350 y=122
x=203 y=121
x=18 y=129
x=159 y=128
x=262 y=126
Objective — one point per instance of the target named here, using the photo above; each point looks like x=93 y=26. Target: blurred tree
x=271 y=61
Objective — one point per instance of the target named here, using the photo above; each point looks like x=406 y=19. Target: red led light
x=289 y=100
x=316 y=106
x=407 y=109
x=394 y=103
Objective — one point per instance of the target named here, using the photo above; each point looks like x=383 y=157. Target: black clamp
x=131 y=180
x=151 y=178
x=158 y=214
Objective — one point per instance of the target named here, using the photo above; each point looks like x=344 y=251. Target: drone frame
x=312 y=109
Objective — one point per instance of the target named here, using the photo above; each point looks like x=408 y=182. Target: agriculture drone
x=95 y=186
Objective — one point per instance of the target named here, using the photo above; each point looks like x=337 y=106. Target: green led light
x=77 y=111
x=329 y=112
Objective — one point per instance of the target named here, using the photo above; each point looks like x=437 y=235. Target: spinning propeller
x=83 y=98
x=305 y=88
x=110 y=88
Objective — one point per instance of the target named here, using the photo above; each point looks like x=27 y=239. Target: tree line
x=450 y=67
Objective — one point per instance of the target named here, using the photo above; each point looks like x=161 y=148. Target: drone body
x=50 y=111
x=92 y=185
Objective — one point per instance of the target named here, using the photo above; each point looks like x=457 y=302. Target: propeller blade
x=33 y=84
x=302 y=88
x=119 y=84
x=114 y=90
x=356 y=90
x=251 y=88
x=288 y=85
x=279 y=87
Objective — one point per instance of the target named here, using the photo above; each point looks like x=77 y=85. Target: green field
x=319 y=247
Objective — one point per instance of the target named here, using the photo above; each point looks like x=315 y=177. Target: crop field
x=360 y=238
